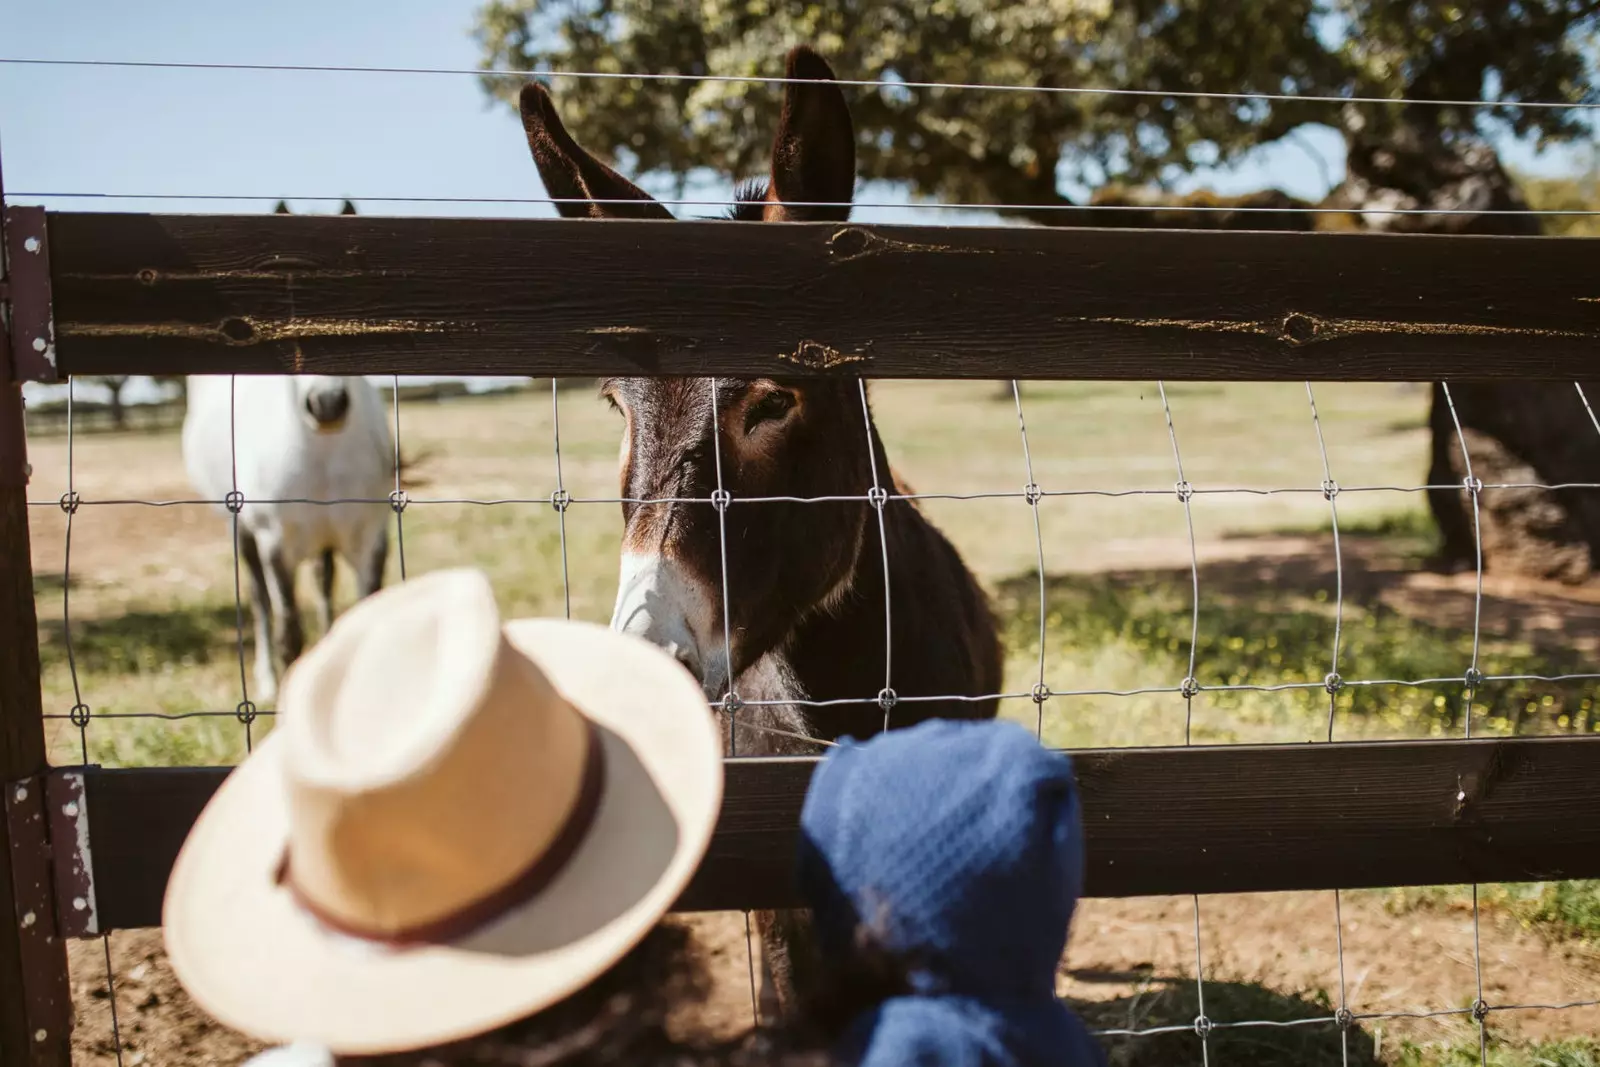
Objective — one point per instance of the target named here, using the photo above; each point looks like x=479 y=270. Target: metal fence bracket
x=33 y=328
x=77 y=912
x=47 y=994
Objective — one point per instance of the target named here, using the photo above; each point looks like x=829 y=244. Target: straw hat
x=455 y=824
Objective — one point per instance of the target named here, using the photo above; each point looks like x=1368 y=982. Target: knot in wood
x=848 y=243
x=1298 y=329
x=238 y=331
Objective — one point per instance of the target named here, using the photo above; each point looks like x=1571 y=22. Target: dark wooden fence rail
x=1176 y=820
x=150 y=294
x=154 y=294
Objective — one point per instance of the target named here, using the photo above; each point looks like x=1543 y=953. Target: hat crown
x=427 y=765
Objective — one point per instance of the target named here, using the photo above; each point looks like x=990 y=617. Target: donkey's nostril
x=328 y=407
x=686 y=655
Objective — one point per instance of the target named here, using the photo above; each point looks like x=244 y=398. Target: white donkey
x=304 y=437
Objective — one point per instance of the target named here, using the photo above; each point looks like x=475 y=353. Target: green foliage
x=1565 y=194
x=1015 y=147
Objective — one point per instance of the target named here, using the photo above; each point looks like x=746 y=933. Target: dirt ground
x=1129 y=966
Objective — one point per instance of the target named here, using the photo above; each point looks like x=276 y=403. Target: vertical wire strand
x=879 y=499
x=1202 y=1025
x=1586 y=406
x=1469 y=694
x=720 y=500
x=245 y=712
x=1330 y=489
x=397 y=500
x=80 y=711
x=69 y=505
x=560 y=500
x=1031 y=492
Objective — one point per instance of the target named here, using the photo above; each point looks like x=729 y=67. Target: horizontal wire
x=826 y=499
x=1050 y=693
x=1204 y=209
x=757 y=79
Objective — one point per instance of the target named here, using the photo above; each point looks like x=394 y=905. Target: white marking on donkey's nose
x=662 y=603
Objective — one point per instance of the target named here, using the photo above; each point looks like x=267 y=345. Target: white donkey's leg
x=279 y=573
x=325 y=576
x=266 y=681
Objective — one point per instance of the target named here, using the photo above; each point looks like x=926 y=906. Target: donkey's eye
x=773 y=406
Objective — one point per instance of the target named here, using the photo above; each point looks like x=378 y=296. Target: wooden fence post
x=35 y=995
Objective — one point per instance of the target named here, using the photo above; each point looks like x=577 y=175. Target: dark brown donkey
x=805 y=622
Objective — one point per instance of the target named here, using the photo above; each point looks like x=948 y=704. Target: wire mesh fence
x=1031 y=679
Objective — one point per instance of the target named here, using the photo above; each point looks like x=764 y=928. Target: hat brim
x=258 y=962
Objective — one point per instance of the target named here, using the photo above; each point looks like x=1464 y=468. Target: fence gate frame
x=87 y=850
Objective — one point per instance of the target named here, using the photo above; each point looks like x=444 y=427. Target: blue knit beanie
x=957 y=847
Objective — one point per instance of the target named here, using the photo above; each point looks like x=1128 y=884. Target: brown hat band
x=539 y=874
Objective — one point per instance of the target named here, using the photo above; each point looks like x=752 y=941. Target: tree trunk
x=119 y=414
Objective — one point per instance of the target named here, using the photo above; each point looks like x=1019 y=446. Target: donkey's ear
x=570 y=173
x=282 y=208
x=348 y=209
x=814 y=154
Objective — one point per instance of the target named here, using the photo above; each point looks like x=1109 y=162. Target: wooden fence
x=88 y=850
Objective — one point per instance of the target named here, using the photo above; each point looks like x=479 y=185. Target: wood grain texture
x=175 y=294
x=1157 y=821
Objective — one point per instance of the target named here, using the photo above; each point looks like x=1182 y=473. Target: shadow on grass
x=143 y=641
x=1290 y=1031
x=1272 y=620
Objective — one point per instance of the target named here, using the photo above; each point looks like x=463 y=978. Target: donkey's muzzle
x=328 y=408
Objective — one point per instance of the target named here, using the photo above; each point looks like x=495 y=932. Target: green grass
x=1134 y=630
x=1578 y=1052
x=1559 y=911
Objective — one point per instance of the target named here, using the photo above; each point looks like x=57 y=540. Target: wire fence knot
x=234 y=501
x=70 y=502
x=398 y=499
x=1480 y=1010
x=1202 y=1027
x=1332 y=682
x=732 y=703
x=561 y=500
x=1472 y=484
x=1189 y=687
x=1184 y=490
x=80 y=715
x=878 y=496
x=1041 y=693
x=1330 y=488
x=1344 y=1018
x=720 y=499
x=1473 y=678
x=1032 y=494
x=246 y=712
x=887 y=698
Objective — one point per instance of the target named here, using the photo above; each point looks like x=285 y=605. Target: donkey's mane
x=750 y=196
